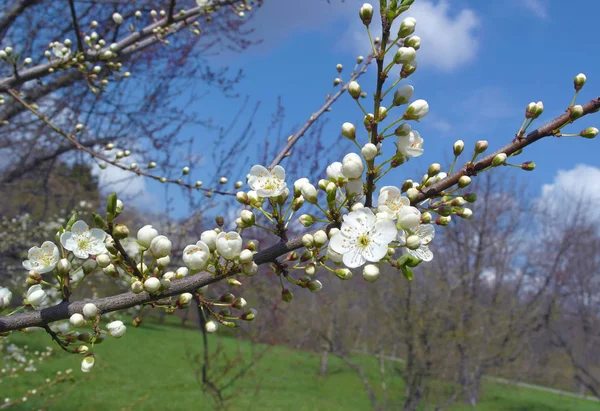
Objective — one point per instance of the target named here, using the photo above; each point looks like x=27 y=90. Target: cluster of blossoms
x=357 y=230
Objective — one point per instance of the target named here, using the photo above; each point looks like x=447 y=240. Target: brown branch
x=517 y=144
x=82 y=147
x=313 y=118
x=124 y=47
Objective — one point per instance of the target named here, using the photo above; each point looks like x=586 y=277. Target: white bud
x=417 y=110
x=160 y=246
x=371 y=272
x=145 y=235
x=405 y=55
x=182 y=272
x=152 y=285
x=137 y=287
x=369 y=151
x=320 y=238
x=403 y=95
x=117 y=18
x=103 y=260
x=211 y=326
x=246 y=256
x=77 y=320
x=349 y=131
x=116 y=328
x=352 y=166
x=90 y=310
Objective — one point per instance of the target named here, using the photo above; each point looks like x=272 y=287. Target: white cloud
x=577 y=189
x=538 y=7
x=127 y=185
x=448 y=37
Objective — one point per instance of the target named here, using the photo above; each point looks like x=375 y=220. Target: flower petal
x=339 y=243
x=353 y=258
x=79 y=227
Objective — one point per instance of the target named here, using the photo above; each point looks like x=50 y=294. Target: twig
x=76 y=26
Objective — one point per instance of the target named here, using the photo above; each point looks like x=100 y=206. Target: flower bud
x=407 y=27
x=309 y=192
x=160 y=246
x=352 y=166
x=110 y=271
x=90 y=310
x=464 y=213
x=162 y=262
x=405 y=55
x=120 y=231
x=576 y=112
x=499 y=159
x=287 y=295
x=315 y=286
x=116 y=328
x=434 y=169
x=403 y=130
x=403 y=94
x=408 y=69
x=297 y=203
x=413 y=242
x=354 y=89
x=145 y=235
x=63 y=266
x=308 y=240
x=349 y=131
x=371 y=272
x=137 y=287
x=182 y=272
x=320 y=238
x=414 y=42
x=152 y=285
x=310 y=269
x=184 y=300
x=246 y=256
x=444 y=220
x=412 y=194
x=366 y=13
x=250 y=315
x=481 y=146
x=343 y=273
x=248 y=217
x=470 y=197
x=88 y=363
x=528 y=166
x=369 y=151
x=426 y=217
x=579 y=81
x=458 y=147
x=211 y=326
x=77 y=320
x=589 y=132
x=417 y=110
x=117 y=18
x=250 y=269
x=306 y=220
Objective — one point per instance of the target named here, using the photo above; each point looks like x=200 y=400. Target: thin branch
x=82 y=147
x=313 y=118
x=76 y=26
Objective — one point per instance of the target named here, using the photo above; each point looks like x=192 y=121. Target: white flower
x=77 y=320
x=363 y=237
x=209 y=238
x=390 y=202
x=411 y=145
x=43 y=259
x=211 y=326
x=36 y=296
x=334 y=173
x=90 y=310
x=116 y=328
x=196 y=256
x=5 y=297
x=229 y=245
x=425 y=233
x=354 y=187
x=83 y=241
x=267 y=183
x=417 y=110
x=145 y=235
x=60 y=51
x=160 y=246
x=352 y=166
x=409 y=217
x=88 y=363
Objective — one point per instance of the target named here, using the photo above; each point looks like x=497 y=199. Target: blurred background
x=505 y=317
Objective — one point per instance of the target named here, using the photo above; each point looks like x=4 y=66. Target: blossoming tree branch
x=352 y=222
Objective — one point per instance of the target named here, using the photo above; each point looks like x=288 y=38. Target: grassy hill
x=155 y=367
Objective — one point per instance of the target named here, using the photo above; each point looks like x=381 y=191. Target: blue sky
x=480 y=63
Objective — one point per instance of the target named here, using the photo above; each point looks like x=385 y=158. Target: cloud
x=538 y=7
x=448 y=38
x=577 y=189
x=127 y=185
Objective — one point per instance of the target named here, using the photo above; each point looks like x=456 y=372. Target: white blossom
x=267 y=183
x=42 y=259
x=60 y=51
x=36 y=295
x=335 y=174
x=409 y=217
x=229 y=245
x=411 y=145
x=352 y=166
x=425 y=233
x=417 y=110
x=88 y=363
x=145 y=235
x=160 y=246
x=83 y=241
x=77 y=320
x=371 y=272
x=211 y=326
x=116 y=328
x=196 y=256
x=390 y=202
x=5 y=297
x=363 y=237
x=152 y=285
x=90 y=310
x=209 y=237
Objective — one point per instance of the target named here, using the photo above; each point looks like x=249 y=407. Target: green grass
x=151 y=368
